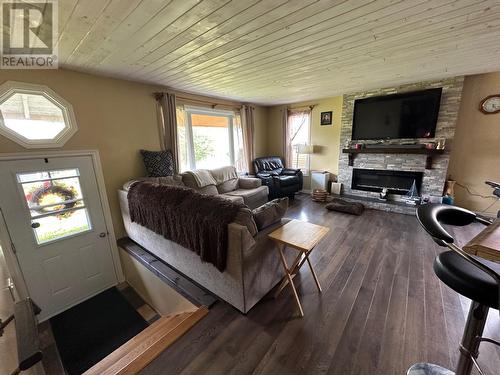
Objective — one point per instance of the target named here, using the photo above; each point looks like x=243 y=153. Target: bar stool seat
x=468 y=280
x=477 y=279
x=428 y=369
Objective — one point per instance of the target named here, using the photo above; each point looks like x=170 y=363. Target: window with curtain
x=299 y=128
x=209 y=139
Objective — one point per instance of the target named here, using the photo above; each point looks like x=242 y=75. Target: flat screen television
x=407 y=115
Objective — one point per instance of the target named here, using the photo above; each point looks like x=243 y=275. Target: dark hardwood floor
x=382 y=309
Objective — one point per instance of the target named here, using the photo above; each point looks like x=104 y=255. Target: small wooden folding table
x=303 y=237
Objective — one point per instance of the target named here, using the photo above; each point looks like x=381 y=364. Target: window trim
x=191 y=159
x=31 y=218
x=10 y=88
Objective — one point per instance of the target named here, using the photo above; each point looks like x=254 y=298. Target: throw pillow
x=227 y=186
x=244 y=218
x=158 y=163
x=341 y=205
x=270 y=212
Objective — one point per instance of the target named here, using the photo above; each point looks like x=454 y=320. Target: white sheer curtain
x=240 y=154
x=287 y=146
x=182 y=138
x=297 y=134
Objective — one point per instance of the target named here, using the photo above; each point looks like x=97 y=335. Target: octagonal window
x=35 y=116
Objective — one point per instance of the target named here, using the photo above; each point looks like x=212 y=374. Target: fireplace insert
x=397 y=182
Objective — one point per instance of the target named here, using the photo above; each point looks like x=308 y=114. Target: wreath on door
x=50 y=194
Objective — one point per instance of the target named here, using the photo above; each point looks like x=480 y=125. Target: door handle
x=10 y=286
x=102 y=234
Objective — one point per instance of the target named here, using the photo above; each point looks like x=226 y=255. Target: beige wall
x=274 y=144
x=476 y=147
x=324 y=138
x=116 y=117
x=158 y=294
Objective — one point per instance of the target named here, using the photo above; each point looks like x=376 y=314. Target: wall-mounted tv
x=407 y=115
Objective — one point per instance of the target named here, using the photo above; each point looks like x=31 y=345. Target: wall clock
x=490 y=104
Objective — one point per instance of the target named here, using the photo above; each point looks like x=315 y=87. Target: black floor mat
x=90 y=331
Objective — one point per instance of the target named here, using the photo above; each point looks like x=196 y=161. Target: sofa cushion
x=227 y=186
x=224 y=174
x=249 y=182
x=244 y=217
x=289 y=180
x=158 y=163
x=234 y=198
x=270 y=213
x=208 y=190
x=253 y=197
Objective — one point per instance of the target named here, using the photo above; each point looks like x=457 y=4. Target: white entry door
x=55 y=220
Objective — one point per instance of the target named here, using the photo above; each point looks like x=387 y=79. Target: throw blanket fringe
x=182 y=215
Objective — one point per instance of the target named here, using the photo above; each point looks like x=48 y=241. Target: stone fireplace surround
x=433 y=179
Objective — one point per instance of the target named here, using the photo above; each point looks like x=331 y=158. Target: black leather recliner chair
x=282 y=182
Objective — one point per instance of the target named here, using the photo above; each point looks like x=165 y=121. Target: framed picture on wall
x=326 y=118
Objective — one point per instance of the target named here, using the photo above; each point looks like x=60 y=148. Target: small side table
x=303 y=237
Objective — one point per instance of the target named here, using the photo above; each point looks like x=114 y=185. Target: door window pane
x=55 y=227
x=46 y=196
x=36 y=176
x=56 y=203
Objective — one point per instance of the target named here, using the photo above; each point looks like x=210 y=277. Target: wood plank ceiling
x=278 y=51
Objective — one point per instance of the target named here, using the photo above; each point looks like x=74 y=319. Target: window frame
x=10 y=88
x=40 y=243
x=190 y=156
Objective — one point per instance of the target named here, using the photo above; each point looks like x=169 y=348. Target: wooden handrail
x=139 y=351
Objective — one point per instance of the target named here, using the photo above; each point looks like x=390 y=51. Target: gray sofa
x=253 y=266
x=226 y=183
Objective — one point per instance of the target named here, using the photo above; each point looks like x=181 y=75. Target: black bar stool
x=476 y=279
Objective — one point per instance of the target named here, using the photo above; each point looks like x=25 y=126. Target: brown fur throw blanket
x=193 y=220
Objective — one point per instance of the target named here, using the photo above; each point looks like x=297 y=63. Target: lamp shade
x=305 y=149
